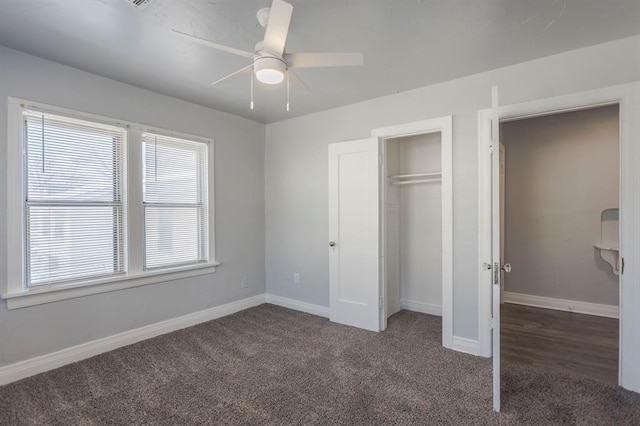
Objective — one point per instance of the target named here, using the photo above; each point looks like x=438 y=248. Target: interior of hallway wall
x=239 y=209
x=296 y=187
x=414 y=220
x=562 y=173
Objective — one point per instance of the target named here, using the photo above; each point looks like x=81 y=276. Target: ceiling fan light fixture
x=269 y=70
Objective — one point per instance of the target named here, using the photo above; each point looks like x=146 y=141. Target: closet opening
x=416 y=222
x=413 y=224
x=559 y=211
x=391 y=226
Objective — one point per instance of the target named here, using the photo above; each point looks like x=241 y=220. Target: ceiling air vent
x=138 y=3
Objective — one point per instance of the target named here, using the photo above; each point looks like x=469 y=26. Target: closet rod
x=408 y=182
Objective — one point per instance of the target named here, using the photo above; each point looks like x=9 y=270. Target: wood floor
x=581 y=345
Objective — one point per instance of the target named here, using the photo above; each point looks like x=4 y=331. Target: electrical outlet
x=245 y=282
x=296 y=278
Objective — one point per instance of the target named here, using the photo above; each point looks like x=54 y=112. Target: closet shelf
x=410 y=182
x=416 y=175
x=410 y=179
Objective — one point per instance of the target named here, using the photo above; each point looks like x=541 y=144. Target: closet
x=391 y=225
x=413 y=223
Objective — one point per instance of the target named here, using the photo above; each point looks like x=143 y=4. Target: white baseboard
x=297 y=305
x=468 y=346
x=424 y=308
x=40 y=364
x=608 y=311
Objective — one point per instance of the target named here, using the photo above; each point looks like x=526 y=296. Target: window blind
x=175 y=201
x=74 y=191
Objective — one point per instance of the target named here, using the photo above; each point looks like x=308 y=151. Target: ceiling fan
x=270 y=61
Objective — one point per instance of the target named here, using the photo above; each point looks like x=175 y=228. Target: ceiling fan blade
x=296 y=82
x=310 y=60
x=233 y=74
x=277 y=27
x=215 y=45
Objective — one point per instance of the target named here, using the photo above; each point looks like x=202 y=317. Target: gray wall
x=296 y=163
x=562 y=171
x=239 y=204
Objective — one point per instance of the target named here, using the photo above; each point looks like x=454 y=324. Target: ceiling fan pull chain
x=288 y=80
x=251 y=103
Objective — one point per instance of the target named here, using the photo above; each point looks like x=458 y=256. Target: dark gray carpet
x=270 y=365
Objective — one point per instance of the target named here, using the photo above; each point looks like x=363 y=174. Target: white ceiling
x=406 y=43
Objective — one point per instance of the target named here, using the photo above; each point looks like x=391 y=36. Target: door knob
x=332 y=244
x=506 y=267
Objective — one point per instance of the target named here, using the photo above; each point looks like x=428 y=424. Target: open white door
x=497 y=187
x=354 y=229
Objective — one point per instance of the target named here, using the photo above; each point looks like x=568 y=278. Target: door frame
x=627 y=96
x=444 y=126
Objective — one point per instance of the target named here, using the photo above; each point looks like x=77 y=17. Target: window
x=73 y=199
x=175 y=201
x=96 y=204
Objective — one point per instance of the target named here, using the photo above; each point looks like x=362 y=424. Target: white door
x=497 y=269
x=354 y=229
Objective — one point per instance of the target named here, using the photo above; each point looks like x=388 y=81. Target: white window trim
x=205 y=183
x=14 y=292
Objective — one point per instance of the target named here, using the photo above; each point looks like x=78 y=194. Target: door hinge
x=621 y=265
x=490 y=148
x=381 y=303
x=491 y=322
x=380 y=159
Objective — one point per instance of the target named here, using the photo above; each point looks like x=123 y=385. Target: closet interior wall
x=414 y=224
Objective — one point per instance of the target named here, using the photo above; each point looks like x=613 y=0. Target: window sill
x=54 y=294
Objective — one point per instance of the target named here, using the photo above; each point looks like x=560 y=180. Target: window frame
x=119 y=183
x=202 y=195
x=15 y=292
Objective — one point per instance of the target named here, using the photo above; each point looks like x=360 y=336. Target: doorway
x=413 y=224
x=416 y=267
x=628 y=99
x=559 y=219
x=366 y=243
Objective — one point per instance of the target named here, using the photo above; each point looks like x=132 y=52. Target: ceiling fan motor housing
x=269 y=69
x=263 y=16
